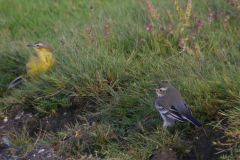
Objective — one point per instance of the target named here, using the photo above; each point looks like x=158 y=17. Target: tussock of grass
x=116 y=65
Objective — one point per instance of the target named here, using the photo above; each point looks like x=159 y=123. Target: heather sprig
x=107 y=31
x=188 y=13
x=226 y=25
x=197 y=50
x=183 y=45
x=179 y=10
x=90 y=35
x=210 y=17
x=152 y=10
x=170 y=23
x=184 y=17
x=92 y=8
x=234 y=3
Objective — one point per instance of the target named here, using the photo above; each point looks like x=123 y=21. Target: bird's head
x=162 y=90
x=42 y=46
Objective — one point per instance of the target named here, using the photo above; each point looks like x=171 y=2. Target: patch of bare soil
x=34 y=124
x=201 y=146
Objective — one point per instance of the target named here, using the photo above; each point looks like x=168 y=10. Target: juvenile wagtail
x=42 y=61
x=172 y=107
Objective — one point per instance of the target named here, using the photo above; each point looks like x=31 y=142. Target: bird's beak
x=31 y=45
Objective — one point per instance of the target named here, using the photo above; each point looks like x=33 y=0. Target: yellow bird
x=43 y=60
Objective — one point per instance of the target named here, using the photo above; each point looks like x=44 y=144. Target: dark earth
x=201 y=146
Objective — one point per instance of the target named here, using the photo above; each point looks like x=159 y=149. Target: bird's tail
x=15 y=82
x=193 y=121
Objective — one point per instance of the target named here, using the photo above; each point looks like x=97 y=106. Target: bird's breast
x=39 y=63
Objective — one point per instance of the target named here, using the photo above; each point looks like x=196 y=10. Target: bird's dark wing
x=175 y=114
x=186 y=114
x=188 y=109
x=171 y=113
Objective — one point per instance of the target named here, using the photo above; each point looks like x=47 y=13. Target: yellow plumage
x=40 y=62
x=43 y=60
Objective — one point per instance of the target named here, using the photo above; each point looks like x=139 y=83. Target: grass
x=110 y=71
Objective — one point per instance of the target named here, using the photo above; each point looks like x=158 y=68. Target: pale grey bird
x=172 y=107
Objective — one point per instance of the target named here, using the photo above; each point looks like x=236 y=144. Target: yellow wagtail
x=42 y=61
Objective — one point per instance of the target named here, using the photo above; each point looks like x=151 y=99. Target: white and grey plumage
x=172 y=106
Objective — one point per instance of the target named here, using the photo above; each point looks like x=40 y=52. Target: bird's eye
x=37 y=44
x=160 y=90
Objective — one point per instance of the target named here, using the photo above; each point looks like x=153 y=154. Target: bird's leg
x=165 y=124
